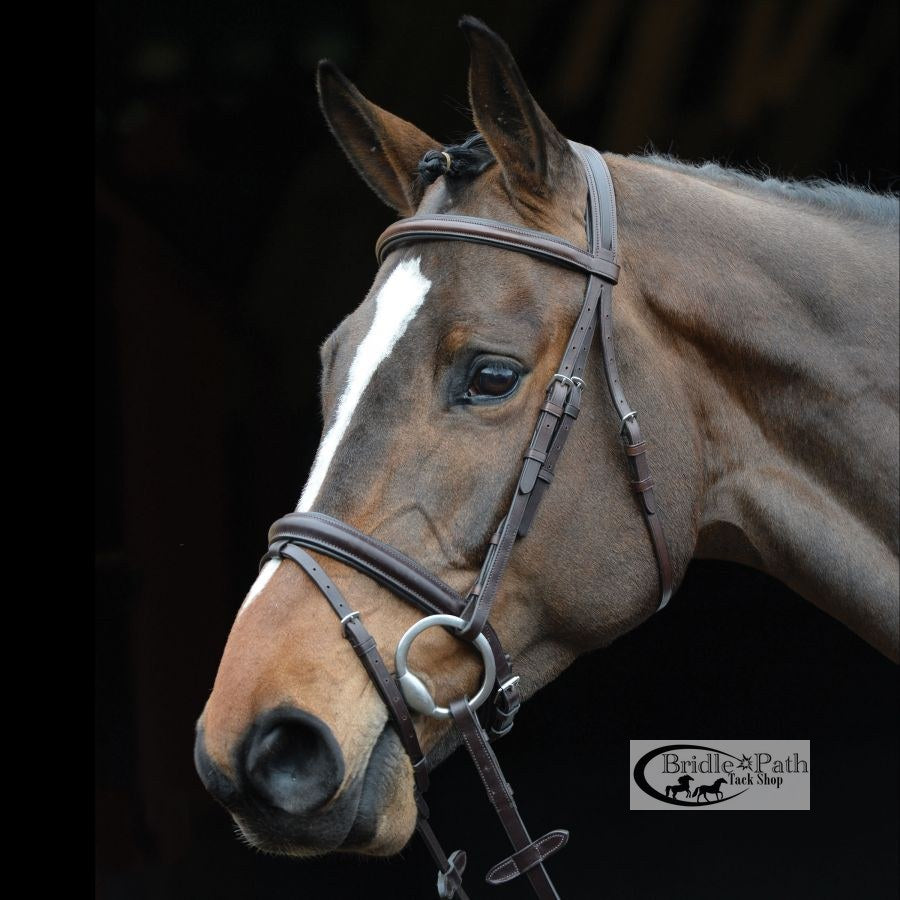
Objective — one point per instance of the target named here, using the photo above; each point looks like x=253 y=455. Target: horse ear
x=382 y=147
x=533 y=155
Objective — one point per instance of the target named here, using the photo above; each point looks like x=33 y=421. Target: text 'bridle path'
x=498 y=699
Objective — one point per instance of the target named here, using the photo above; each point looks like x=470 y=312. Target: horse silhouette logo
x=673 y=790
x=671 y=763
x=704 y=790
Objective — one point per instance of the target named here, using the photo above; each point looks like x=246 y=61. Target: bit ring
x=417 y=696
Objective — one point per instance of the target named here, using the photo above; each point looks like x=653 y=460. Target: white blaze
x=396 y=305
x=265 y=575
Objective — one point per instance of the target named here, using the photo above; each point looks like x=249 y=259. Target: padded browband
x=499 y=234
x=381 y=562
x=404 y=577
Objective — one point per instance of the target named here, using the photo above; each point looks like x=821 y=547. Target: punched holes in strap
x=366 y=649
x=558 y=441
x=553 y=408
x=386 y=685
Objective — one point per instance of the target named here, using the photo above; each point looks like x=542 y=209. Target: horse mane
x=832 y=197
x=472 y=156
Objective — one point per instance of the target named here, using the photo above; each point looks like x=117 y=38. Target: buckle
x=632 y=414
x=507 y=716
x=570 y=383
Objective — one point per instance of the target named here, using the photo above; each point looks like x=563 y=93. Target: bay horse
x=757 y=331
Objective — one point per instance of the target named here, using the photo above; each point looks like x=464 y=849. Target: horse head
x=429 y=393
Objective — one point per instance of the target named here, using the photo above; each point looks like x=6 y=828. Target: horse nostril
x=292 y=761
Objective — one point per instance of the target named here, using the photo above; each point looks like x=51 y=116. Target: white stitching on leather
x=487 y=787
x=555 y=838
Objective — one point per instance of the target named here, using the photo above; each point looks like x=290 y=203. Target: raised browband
x=405 y=578
x=499 y=234
x=385 y=564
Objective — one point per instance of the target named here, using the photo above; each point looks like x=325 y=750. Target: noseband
x=490 y=714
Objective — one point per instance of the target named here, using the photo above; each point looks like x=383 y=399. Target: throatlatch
x=490 y=714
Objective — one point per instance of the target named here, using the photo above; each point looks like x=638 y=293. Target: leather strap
x=450 y=869
x=528 y=853
x=398 y=572
x=367 y=650
x=552 y=429
x=404 y=577
x=565 y=390
x=499 y=234
x=527 y=858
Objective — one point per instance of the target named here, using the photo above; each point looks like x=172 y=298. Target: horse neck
x=762 y=337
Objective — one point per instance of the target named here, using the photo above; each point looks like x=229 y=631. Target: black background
x=215 y=284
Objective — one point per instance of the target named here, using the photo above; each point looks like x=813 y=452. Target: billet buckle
x=500 y=714
x=417 y=696
x=570 y=383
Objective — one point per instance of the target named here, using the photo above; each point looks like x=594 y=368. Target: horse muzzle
x=289 y=795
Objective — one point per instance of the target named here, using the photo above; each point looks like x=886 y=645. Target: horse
x=757 y=331
x=673 y=790
x=704 y=789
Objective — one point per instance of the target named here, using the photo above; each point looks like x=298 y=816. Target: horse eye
x=493 y=380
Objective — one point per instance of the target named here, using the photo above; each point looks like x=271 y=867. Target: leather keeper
x=533 y=453
x=503 y=713
x=553 y=408
x=360 y=639
x=529 y=474
x=528 y=857
x=645 y=484
x=636 y=449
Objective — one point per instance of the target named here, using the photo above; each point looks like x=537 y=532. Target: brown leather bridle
x=468 y=618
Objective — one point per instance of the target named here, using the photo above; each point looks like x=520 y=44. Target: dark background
x=232 y=236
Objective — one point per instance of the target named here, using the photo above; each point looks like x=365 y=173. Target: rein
x=490 y=714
